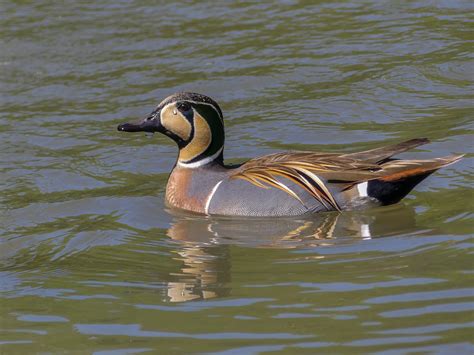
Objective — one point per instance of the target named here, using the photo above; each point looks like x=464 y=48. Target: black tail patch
x=388 y=192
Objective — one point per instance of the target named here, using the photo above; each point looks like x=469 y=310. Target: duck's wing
x=312 y=171
x=315 y=171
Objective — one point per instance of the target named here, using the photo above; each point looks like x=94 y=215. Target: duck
x=292 y=183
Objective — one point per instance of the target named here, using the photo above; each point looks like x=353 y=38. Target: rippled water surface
x=92 y=262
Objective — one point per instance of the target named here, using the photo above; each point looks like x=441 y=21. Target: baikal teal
x=304 y=182
x=92 y=259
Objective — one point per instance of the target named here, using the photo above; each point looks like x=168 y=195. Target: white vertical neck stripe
x=211 y=195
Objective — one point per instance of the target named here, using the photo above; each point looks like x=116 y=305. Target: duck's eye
x=183 y=106
x=149 y=118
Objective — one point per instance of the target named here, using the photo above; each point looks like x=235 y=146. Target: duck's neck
x=214 y=159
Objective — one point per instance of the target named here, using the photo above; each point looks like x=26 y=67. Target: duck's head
x=193 y=121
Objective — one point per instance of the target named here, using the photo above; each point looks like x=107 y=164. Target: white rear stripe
x=362 y=188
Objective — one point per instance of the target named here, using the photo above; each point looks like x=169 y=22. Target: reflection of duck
x=282 y=184
x=205 y=272
x=290 y=232
x=203 y=246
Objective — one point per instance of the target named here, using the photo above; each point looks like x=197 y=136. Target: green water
x=92 y=262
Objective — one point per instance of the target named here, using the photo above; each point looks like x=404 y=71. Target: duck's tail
x=402 y=176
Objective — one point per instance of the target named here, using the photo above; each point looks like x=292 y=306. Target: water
x=92 y=262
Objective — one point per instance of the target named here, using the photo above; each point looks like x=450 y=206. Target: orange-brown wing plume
x=400 y=169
